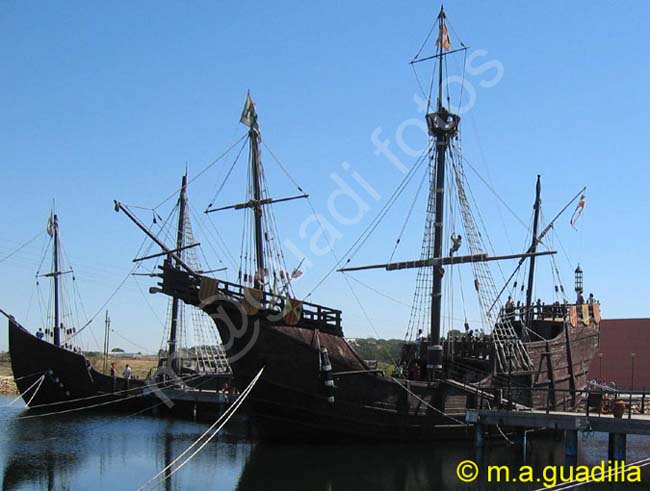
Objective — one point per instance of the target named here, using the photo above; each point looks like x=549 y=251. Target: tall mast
x=533 y=249
x=443 y=125
x=107 y=329
x=173 y=330
x=249 y=118
x=253 y=135
x=55 y=276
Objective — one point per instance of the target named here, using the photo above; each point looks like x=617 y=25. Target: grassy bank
x=140 y=365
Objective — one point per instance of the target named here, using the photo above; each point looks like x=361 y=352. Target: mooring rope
x=221 y=421
x=109 y=394
x=40 y=379
x=101 y=404
x=106 y=403
x=36 y=390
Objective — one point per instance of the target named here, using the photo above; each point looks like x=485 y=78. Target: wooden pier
x=569 y=422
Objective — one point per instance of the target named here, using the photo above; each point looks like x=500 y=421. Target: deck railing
x=277 y=304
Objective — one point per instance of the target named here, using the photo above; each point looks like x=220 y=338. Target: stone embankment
x=8 y=386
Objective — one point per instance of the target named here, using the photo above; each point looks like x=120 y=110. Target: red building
x=624 y=356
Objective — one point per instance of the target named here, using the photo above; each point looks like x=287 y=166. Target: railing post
x=643 y=402
x=629 y=407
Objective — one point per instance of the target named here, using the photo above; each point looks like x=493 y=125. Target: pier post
x=610 y=446
x=521 y=439
x=571 y=447
x=479 y=443
x=479 y=436
x=617 y=446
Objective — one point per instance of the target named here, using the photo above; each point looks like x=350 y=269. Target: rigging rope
x=365 y=235
x=203 y=171
x=22 y=246
x=442 y=413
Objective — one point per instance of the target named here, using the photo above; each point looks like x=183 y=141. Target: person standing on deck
x=40 y=334
x=114 y=375
x=127 y=376
x=419 y=342
x=510 y=308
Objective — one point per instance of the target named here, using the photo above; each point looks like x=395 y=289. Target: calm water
x=113 y=452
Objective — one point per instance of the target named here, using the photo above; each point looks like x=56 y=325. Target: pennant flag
x=443 y=39
x=578 y=211
x=248 y=114
x=296 y=273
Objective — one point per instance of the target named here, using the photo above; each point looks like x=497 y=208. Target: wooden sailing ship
x=315 y=387
x=191 y=373
x=52 y=372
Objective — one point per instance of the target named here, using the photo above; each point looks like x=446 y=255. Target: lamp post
x=633 y=356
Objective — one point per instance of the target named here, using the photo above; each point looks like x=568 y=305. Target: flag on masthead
x=248 y=114
x=443 y=39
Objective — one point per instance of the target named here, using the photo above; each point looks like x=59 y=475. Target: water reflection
x=37 y=453
x=372 y=467
x=109 y=452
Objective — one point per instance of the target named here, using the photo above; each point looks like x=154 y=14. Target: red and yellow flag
x=443 y=39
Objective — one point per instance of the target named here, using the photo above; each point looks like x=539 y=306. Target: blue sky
x=112 y=100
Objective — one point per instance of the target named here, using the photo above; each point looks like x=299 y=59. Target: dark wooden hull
x=557 y=382
x=68 y=376
x=71 y=383
x=290 y=400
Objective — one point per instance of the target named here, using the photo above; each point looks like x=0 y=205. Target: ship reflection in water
x=111 y=452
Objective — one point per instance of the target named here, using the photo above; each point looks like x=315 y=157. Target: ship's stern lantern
x=578 y=277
